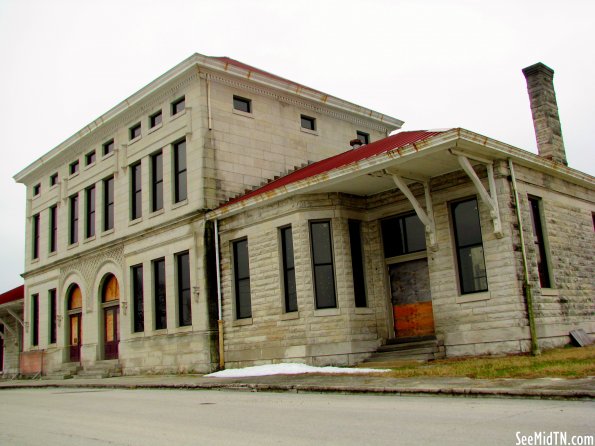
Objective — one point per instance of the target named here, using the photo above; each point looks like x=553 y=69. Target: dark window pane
x=242 y=104
x=74 y=167
x=108 y=203
x=321 y=242
x=138 y=298
x=53 y=307
x=184 y=301
x=468 y=228
x=36 y=227
x=36 y=190
x=363 y=137
x=90 y=158
x=289 y=285
x=403 y=235
x=308 y=122
x=539 y=241
x=35 y=319
x=180 y=192
x=157 y=181
x=473 y=270
x=357 y=263
x=136 y=191
x=108 y=147
x=53 y=228
x=160 y=298
x=74 y=219
x=90 y=208
x=242 y=279
x=54 y=179
x=325 y=286
x=178 y=106
x=415 y=234
x=135 y=131
x=155 y=119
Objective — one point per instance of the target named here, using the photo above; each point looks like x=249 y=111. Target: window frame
x=36 y=235
x=90 y=211
x=357 y=263
x=35 y=320
x=183 y=289
x=156 y=183
x=54 y=179
x=239 y=280
x=132 y=132
x=309 y=119
x=290 y=301
x=237 y=100
x=138 y=298
x=152 y=119
x=73 y=219
x=53 y=312
x=180 y=174
x=37 y=190
x=136 y=191
x=90 y=158
x=540 y=242
x=403 y=247
x=108 y=147
x=458 y=247
x=73 y=168
x=109 y=186
x=317 y=264
x=174 y=106
x=53 y=238
x=159 y=294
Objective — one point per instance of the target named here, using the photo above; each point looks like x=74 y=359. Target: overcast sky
x=431 y=63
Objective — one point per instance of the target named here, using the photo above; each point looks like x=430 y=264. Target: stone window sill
x=290 y=316
x=550 y=292
x=363 y=310
x=242 y=322
x=327 y=312
x=242 y=113
x=475 y=297
x=310 y=132
x=154 y=129
x=179 y=204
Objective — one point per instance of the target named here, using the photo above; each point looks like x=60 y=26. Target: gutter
x=527 y=288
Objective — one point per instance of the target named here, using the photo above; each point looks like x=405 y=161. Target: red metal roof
x=393 y=142
x=12 y=295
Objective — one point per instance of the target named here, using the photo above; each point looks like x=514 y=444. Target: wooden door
x=75 y=337
x=411 y=299
x=112 y=332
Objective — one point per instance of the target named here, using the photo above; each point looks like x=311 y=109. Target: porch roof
x=13 y=295
x=414 y=155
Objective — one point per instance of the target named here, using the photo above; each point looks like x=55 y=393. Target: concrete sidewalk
x=550 y=388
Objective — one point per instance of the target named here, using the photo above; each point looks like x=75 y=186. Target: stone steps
x=101 y=369
x=422 y=350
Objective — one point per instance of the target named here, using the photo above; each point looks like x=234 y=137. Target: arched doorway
x=75 y=322
x=110 y=304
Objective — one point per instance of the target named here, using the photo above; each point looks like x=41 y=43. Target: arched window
x=111 y=289
x=75 y=298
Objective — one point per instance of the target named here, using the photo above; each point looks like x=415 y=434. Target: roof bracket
x=8 y=327
x=427 y=216
x=16 y=316
x=489 y=198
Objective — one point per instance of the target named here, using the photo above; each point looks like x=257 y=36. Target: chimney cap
x=538 y=68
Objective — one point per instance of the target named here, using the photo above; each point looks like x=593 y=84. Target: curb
x=353 y=390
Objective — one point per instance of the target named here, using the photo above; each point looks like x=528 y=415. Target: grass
x=568 y=362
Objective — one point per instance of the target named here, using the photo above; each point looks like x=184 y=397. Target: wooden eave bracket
x=489 y=198
x=426 y=216
x=16 y=316
x=8 y=327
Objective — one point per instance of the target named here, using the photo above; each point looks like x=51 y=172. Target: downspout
x=527 y=288
x=219 y=300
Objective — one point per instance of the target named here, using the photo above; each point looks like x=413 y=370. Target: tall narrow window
x=73 y=236
x=108 y=204
x=159 y=290
x=53 y=305
x=322 y=264
x=90 y=212
x=289 y=287
x=184 y=301
x=357 y=263
x=539 y=241
x=53 y=228
x=180 y=191
x=157 y=181
x=242 y=279
x=36 y=220
x=138 y=311
x=469 y=247
x=136 y=202
x=35 y=319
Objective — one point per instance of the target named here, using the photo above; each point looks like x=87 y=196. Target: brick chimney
x=548 y=132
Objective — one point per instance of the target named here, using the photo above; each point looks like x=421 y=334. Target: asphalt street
x=72 y=416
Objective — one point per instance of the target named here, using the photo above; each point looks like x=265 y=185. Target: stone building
x=117 y=271
x=155 y=242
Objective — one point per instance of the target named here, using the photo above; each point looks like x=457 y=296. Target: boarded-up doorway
x=411 y=298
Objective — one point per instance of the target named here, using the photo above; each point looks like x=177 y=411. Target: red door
x=111 y=330
x=75 y=337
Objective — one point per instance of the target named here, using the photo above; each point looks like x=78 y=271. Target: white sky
x=431 y=63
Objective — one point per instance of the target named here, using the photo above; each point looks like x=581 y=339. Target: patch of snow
x=288 y=369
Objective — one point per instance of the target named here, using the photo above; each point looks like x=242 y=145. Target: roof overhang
x=222 y=65
x=421 y=161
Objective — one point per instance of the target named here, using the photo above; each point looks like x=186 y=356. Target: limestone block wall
x=12 y=347
x=567 y=218
x=339 y=335
x=246 y=148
